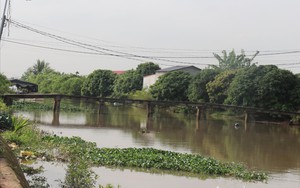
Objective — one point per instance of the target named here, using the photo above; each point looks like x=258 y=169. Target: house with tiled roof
x=151 y=79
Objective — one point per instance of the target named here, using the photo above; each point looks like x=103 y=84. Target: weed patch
x=149 y=158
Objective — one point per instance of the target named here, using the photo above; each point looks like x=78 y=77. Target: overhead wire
x=105 y=51
x=98 y=50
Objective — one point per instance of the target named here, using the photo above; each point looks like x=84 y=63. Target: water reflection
x=273 y=148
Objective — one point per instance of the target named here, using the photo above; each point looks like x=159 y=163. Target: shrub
x=5 y=121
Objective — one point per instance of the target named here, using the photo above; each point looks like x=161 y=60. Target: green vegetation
x=39 y=68
x=99 y=84
x=235 y=81
x=197 y=89
x=232 y=61
x=217 y=88
x=47 y=105
x=19 y=123
x=79 y=174
x=5 y=121
x=171 y=86
x=147 y=68
x=4 y=84
x=130 y=81
x=265 y=87
x=150 y=158
x=85 y=154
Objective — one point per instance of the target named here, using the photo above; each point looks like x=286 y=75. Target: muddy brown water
x=273 y=148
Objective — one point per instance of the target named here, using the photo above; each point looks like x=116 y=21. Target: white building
x=151 y=79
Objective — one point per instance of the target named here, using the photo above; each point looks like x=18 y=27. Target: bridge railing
x=8 y=98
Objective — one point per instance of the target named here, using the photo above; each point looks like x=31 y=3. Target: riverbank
x=11 y=175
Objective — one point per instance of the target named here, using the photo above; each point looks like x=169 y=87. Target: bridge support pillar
x=55 y=120
x=56 y=106
x=149 y=109
x=100 y=107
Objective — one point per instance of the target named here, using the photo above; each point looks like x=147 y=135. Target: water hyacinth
x=150 y=158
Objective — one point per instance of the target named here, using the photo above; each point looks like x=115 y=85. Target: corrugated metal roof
x=175 y=68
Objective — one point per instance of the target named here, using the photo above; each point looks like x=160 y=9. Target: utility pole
x=3 y=19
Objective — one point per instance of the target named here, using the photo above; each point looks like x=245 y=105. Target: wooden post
x=246 y=119
x=246 y=116
x=56 y=106
x=198 y=113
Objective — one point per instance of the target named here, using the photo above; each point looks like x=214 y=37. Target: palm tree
x=40 y=66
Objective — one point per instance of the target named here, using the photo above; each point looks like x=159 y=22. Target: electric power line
x=98 y=50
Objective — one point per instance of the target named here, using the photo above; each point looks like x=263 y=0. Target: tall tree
x=40 y=67
x=72 y=86
x=233 y=61
x=217 y=89
x=265 y=87
x=147 y=68
x=128 y=82
x=171 y=86
x=99 y=83
x=197 y=89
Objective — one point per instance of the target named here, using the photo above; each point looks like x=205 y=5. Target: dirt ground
x=8 y=178
x=11 y=175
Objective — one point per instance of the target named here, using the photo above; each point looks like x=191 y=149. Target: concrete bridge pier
x=150 y=109
x=56 y=106
x=55 y=120
x=101 y=105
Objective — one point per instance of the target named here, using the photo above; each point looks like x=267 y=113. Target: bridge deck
x=151 y=102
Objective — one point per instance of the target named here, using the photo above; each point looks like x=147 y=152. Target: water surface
x=268 y=147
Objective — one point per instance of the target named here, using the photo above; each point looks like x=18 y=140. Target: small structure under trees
x=151 y=79
x=24 y=87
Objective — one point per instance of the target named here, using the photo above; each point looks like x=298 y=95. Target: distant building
x=20 y=86
x=119 y=72
x=151 y=79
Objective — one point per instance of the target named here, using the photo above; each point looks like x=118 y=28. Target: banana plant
x=19 y=123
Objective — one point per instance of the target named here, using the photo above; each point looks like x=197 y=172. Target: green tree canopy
x=197 y=89
x=4 y=84
x=217 y=89
x=265 y=86
x=99 y=83
x=171 y=86
x=128 y=82
x=38 y=68
x=72 y=86
x=147 y=68
x=233 y=61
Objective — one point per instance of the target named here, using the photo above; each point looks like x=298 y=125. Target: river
x=270 y=147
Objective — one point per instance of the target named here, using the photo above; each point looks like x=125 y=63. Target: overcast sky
x=120 y=34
